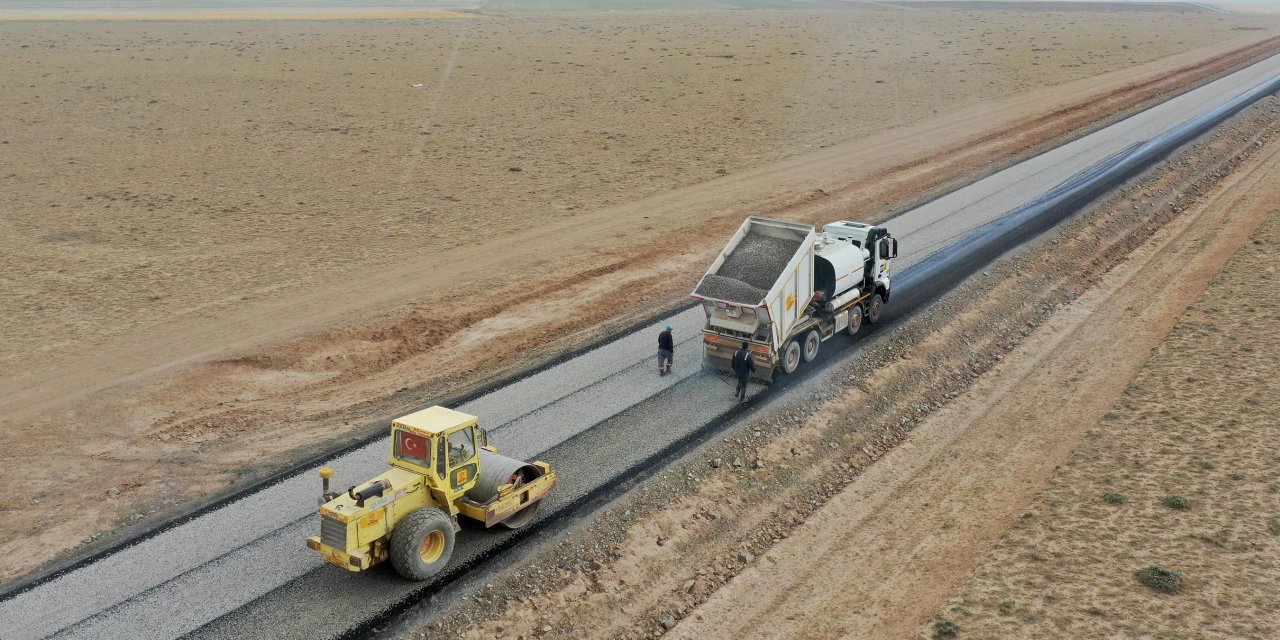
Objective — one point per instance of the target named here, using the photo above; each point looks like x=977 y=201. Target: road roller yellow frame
x=409 y=513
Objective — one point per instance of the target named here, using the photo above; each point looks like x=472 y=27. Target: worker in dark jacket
x=743 y=366
x=666 y=351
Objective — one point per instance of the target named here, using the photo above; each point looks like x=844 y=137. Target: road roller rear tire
x=522 y=517
x=422 y=543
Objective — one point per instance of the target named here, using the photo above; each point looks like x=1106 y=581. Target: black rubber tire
x=855 y=320
x=406 y=543
x=875 y=308
x=812 y=344
x=790 y=362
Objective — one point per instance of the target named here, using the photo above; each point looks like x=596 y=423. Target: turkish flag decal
x=412 y=445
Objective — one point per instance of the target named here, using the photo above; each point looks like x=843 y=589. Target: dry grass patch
x=1192 y=446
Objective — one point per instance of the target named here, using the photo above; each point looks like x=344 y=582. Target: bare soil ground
x=901 y=537
x=858 y=511
x=226 y=242
x=1199 y=421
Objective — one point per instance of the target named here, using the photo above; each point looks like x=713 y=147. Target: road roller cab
x=442 y=466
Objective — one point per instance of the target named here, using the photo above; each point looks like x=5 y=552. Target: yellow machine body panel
x=434 y=421
x=435 y=461
x=354 y=535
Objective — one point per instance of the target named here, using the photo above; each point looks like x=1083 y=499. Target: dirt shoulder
x=1198 y=421
x=913 y=527
x=268 y=338
x=886 y=472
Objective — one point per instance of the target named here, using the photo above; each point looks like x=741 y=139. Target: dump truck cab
x=442 y=466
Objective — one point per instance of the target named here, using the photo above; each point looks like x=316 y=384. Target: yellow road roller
x=442 y=467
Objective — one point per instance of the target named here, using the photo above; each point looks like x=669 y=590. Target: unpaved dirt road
x=213 y=387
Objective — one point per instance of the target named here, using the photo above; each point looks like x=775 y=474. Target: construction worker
x=666 y=351
x=743 y=366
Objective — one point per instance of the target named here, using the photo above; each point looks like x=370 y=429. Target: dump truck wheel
x=875 y=308
x=791 y=357
x=422 y=543
x=855 y=320
x=521 y=517
x=812 y=341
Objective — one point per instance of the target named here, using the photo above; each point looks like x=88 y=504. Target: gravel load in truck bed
x=750 y=270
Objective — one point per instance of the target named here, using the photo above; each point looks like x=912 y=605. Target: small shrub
x=1159 y=578
x=1177 y=502
x=1006 y=607
x=1207 y=466
x=943 y=629
x=1112 y=498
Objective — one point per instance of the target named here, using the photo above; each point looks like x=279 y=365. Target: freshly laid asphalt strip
x=242 y=571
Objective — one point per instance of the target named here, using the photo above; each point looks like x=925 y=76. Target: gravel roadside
x=712 y=514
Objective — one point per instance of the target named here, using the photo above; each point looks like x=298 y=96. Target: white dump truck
x=785 y=287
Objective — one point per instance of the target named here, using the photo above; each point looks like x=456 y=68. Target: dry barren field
x=161 y=173
x=1180 y=474
x=222 y=242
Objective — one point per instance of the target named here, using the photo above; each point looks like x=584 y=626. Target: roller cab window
x=412 y=448
x=462 y=447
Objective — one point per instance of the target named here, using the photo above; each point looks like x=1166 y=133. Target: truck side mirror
x=893 y=247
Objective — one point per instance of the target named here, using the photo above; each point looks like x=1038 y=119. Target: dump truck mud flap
x=716 y=364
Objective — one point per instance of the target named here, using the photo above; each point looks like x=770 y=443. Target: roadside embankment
x=1179 y=472
x=886 y=468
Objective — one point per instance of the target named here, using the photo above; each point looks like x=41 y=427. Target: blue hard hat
x=669 y=327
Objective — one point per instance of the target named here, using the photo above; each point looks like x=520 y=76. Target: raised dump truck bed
x=756 y=288
x=776 y=282
x=752 y=266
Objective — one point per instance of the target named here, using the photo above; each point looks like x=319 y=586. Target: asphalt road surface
x=243 y=571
